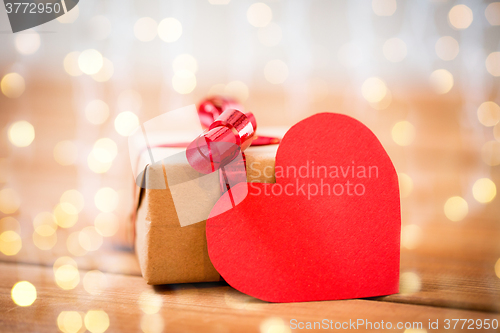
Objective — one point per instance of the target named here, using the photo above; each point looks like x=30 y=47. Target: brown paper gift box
x=171 y=253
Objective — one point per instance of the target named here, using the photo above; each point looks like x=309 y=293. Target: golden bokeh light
x=460 y=17
x=105 y=150
x=27 y=42
x=70 y=16
x=409 y=283
x=45 y=219
x=490 y=153
x=96 y=321
x=150 y=302
x=374 y=89
x=145 y=29
x=106 y=200
x=12 y=85
x=65 y=152
x=97 y=112
x=493 y=64
x=23 y=293
x=492 y=13
x=259 y=14
x=185 y=62
x=152 y=323
x=270 y=35
x=274 y=325
x=21 y=133
x=394 y=50
x=90 y=239
x=126 y=122
x=456 y=208
x=75 y=199
x=415 y=330
x=276 y=71
x=184 y=82
x=70 y=322
x=45 y=230
x=69 y=208
x=496 y=132
x=71 y=64
x=403 y=133
x=484 y=190
x=9 y=201
x=97 y=166
x=10 y=243
x=129 y=100
x=169 y=30
x=384 y=103
x=384 y=7
x=106 y=224
x=405 y=184
x=410 y=236
x=441 y=81
x=95 y=282
x=67 y=276
x=65 y=219
x=447 y=48
x=238 y=90
x=90 y=61
x=44 y=237
x=73 y=245
x=106 y=72
x=63 y=261
x=488 y=113
x=44 y=224
x=9 y=223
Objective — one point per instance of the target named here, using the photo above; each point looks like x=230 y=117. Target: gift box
x=168 y=250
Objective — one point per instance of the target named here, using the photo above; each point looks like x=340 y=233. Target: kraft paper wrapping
x=167 y=252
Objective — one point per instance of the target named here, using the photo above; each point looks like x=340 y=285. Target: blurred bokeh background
x=423 y=75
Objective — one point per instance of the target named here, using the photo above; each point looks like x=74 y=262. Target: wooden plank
x=454 y=264
x=210 y=307
x=445 y=282
x=106 y=259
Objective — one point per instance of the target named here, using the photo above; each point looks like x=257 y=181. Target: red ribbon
x=211 y=108
x=228 y=131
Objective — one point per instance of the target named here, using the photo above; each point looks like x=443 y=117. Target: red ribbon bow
x=211 y=108
x=229 y=131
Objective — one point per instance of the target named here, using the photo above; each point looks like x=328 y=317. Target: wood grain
x=209 y=307
x=453 y=261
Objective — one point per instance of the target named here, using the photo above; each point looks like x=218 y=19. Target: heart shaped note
x=328 y=229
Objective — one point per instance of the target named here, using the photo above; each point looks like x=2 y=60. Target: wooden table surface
x=448 y=274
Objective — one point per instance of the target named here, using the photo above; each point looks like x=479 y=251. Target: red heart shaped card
x=328 y=229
